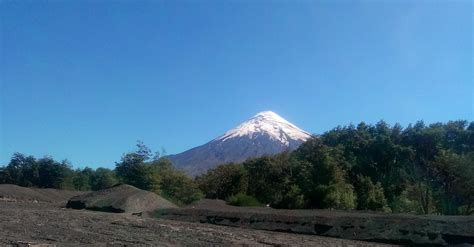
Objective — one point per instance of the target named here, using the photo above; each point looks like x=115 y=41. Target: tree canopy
x=417 y=169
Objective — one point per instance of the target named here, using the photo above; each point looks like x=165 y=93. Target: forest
x=421 y=169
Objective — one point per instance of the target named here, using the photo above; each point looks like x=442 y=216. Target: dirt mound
x=10 y=192
x=120 y=199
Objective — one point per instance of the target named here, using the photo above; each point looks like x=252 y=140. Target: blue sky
x=84 y=80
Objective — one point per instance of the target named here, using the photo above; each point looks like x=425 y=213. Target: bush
x=243 y=200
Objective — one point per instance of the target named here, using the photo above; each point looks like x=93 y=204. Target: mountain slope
x=264 y=134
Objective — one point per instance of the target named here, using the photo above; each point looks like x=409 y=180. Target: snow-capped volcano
x=264 y=134
x=270 y=123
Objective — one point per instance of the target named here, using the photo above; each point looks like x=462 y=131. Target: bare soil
x=38 y=217
x=428 y=230
x=29 y=215
x=46 y=223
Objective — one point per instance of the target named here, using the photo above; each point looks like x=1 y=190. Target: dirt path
x=46 y=223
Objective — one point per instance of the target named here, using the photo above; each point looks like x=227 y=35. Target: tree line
x=138 y=168
x=27 y=171
x=425 y=169
x=419 y=169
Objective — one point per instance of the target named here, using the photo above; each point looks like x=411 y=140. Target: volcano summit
x=264 y=134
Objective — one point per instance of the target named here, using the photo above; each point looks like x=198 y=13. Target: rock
x=31 y=244
x=120 y=199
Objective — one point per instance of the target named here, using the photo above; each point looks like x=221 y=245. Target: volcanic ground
x=38 y=217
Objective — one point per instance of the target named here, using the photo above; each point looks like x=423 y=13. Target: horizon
x=85 y=81
x=163 y=149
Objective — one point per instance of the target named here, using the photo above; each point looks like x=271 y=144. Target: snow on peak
x=270 y=123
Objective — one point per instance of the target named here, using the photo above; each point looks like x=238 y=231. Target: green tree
x=321 y=176
x=293 y=198
x=133 y=170
x=82 y=179
x=339 y=195
x=223 y=181
x=370 y=196
x=455 y=176
x=270 y=178
x=22 y=170
x=103 y=178
x=174 y=184
x=53 y=174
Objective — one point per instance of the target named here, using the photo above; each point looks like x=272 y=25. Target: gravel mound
x=10 y=192
x=120 y=199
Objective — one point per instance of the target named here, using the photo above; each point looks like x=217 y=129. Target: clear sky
x=84 y=80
